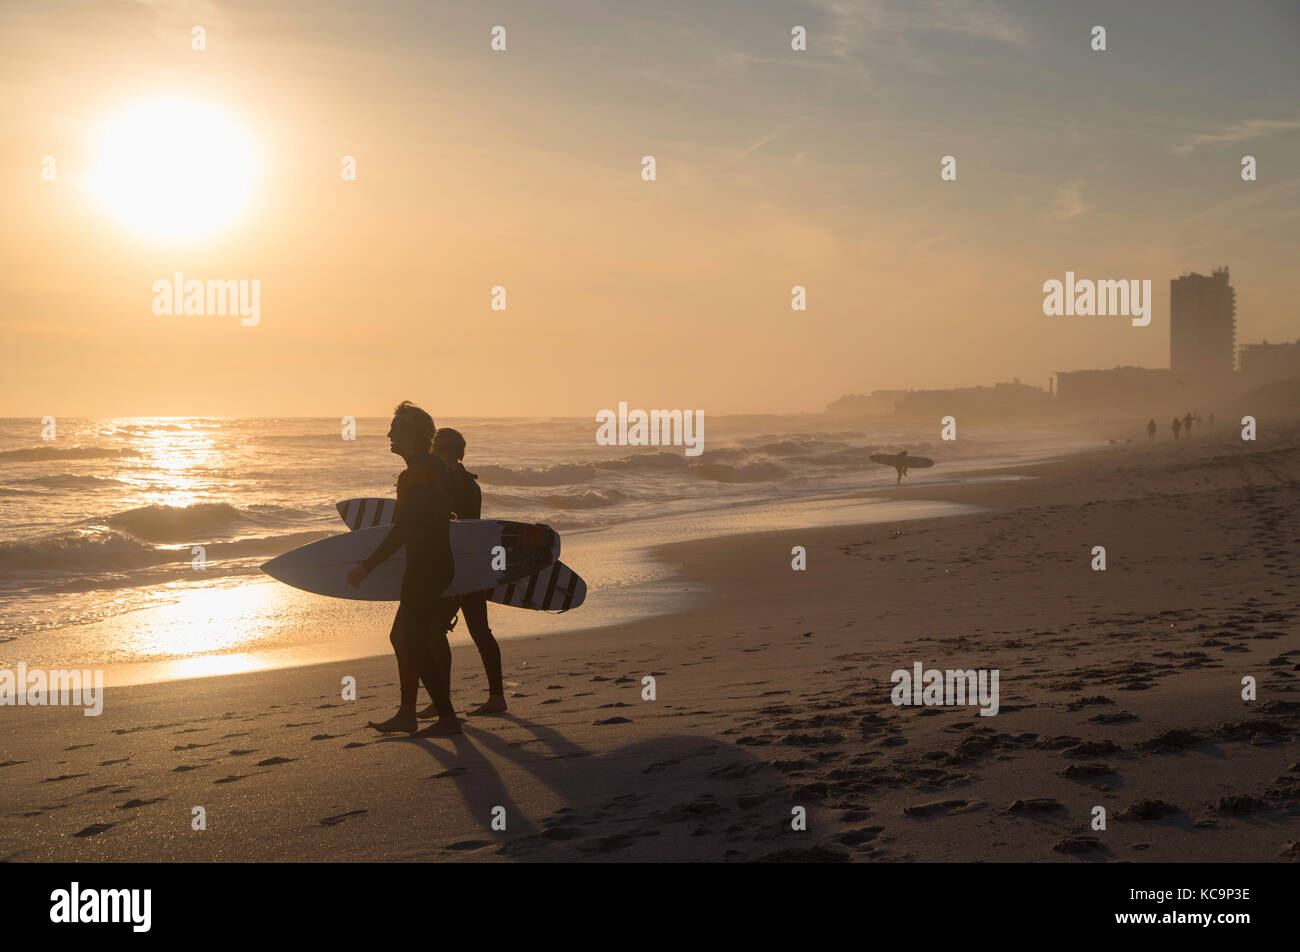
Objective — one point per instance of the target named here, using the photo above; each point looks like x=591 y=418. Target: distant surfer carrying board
x=421 y=522
x=902 y=462
x=467 y=503
x=901 y=466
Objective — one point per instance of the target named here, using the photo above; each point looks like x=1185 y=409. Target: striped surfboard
x=555 y=588
x=364 y=513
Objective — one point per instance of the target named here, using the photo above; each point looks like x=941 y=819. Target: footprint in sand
x=1091 y=748
x=326 y=736
x=937 y=808
x=241 y=753
x=1034 y=805
x=95 y=829
x=340 y=817
x=1238 y=806
x=273 y=761
x=184 y=767
x=11 y=763
x=858 y=837
x=353 y=744
x=1080 y=771
x=78 y=746
x=133 y=803
x=464 y=846
x=1149 y=810
x=561 y=833
x=231 y=779
x=449 y=772
x=68 y=776
x=612 y=720
x=109 y=763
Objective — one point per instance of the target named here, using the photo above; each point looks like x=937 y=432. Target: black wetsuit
x=467 y=503
x=421 y=523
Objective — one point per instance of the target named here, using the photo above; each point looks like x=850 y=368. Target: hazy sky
x=523 y=169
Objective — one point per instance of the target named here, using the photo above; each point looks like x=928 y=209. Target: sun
x=174 y=169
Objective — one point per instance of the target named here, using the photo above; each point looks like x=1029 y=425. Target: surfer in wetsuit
x=901 y=466
x=467 y=503
x=421 y=522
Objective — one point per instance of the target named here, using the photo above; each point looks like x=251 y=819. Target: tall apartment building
x=1202 y=327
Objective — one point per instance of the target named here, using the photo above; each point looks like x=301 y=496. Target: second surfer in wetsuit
x=421 y=523
x=467 y=503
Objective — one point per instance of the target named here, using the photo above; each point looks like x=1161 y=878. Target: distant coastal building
x=1126 y=391
x=1267 y=363
x=1003 y=401
x=877 y=403
x=1202 y=328
x=1203 y=373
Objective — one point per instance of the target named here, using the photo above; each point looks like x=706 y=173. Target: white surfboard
x=556 y=588
x=322 y=567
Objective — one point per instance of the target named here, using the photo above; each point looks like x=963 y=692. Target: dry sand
x=1119 y=689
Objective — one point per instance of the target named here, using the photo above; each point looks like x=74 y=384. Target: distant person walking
x=1151 y=429
x=1187 y=423
x=467 y=503
x=1177 y=426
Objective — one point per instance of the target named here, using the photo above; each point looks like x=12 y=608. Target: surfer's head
x=450 y=444
x=411 y=433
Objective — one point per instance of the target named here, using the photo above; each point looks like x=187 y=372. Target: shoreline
x=284 y=622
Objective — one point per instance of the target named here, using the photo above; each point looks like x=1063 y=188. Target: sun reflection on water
x=210 y=621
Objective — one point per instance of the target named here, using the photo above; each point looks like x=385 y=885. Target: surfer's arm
x=396 y=537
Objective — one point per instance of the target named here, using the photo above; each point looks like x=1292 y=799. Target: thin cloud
x=875 y=24
x=759 y=143
x=1238 y=132
x=1069 y=203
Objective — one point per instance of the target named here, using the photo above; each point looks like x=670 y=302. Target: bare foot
x=403 y=722
x=442 y=727
x=496 y=704
x=428 y=712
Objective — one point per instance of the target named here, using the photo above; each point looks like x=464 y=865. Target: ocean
x=98 y=527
